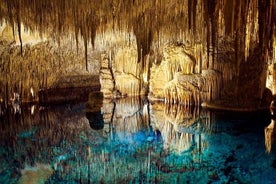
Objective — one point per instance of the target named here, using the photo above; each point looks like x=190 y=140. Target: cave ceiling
x=194 y=21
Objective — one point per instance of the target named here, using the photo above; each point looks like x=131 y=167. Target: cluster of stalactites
x=53 y=18
x=245 y=21
x=193 y=89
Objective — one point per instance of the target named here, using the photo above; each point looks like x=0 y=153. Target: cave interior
x=218 y=53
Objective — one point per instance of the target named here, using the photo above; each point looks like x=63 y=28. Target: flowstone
x=120 y=73
x=175 y=80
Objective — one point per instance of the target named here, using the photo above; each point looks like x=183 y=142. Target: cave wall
x=43 y=64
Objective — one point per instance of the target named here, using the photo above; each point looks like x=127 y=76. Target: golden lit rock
x=223 y=36
x=175 y=80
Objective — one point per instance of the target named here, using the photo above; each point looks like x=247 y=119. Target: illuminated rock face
x=127 y=71
x=176 y=59
x=106 y=77
x=43 y=64
x=175 y=81
x=120 y=73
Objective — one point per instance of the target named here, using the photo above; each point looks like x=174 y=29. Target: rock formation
x=223 y=39
x=107 y=77
x=175 y=81
x=43 y=65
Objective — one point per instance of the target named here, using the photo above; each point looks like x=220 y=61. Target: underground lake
x=130 y=140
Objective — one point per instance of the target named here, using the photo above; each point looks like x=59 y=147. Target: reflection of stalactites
x=32 y=109
x=269 y=133
x=128 y=117
x=96 y=120
x=188 y=119
x=146 y=116
x=182 y=128
x=178 y=114
x=93 y=108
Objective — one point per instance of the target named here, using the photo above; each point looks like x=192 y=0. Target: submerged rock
x=38 y=174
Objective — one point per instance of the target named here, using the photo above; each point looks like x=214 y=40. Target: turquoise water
x=132 y=141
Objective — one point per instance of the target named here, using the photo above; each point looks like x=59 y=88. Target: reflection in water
x=129 y=140
x=35 y=174
x=269 y=135
x=93 y=108
x=32 y=109
x=95 y=120
x=130 y=116
x=16 y=103
x=30 y=141
x=182 y=128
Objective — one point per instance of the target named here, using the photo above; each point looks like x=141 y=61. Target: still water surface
x=133 y=141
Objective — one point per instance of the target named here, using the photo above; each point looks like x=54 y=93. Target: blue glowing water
x=136 y=142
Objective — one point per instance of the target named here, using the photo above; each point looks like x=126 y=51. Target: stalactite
x=19 y=35
x=214 y=30
x=192 y=4
x=240 y=39
x=207 y=23
x=228 y=16
x=266 y=24
x=85 y=52
x=76 y=28
x=144 y=37
x=19 y=30
x=10 y=7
